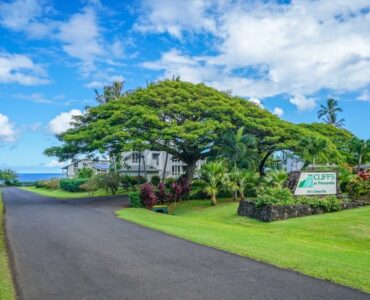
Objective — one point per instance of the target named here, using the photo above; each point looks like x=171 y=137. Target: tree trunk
x=190 y=170
x=261 y=166
x=138 y=172
x=241 y=194
x=213 y=200
x=144 y=165
x=359 y=163
x=165 y=168
x=115 y=164
x=235 y=196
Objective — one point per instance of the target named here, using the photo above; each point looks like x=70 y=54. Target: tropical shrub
x=344 y=177
x=91 y=186
x=274 y=196
x=85 y=173
x=364 y=174
x=155 y=180
x=52 y=184
x=126 y=181
x=147 y=195
x=213 y=176
x=168 y=182
x=109 y=181
x=244 y=181
x=138 y=180
x=358 y=186
x=276 y=178
x=134 y=198
x=72 y=184
x=328 y=203
x=161 y=193
x=180 y=189
x=40 y=184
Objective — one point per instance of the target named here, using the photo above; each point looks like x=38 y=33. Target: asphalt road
x=78 y=249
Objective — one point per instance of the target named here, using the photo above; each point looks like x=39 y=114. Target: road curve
x=78 y=249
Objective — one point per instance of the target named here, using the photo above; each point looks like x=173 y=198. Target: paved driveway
x=77 y=249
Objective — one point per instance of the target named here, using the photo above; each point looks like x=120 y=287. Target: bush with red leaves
x=180 y=189
x=161 y=193
x=147 y=196
x=364 y=175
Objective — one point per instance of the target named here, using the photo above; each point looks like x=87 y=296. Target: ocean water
x=32 y=177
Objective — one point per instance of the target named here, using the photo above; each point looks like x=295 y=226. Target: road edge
x=10 y=254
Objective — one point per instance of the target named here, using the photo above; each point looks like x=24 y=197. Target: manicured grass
x=68 y=195
x=333 y=246
x=7 y=291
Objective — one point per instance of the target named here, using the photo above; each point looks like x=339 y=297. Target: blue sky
x=286 y=56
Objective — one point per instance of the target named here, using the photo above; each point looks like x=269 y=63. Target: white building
x=290 y=162
x=98 y=167
x=153 y=163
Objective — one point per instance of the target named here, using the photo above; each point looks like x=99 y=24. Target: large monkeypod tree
x=181 y=118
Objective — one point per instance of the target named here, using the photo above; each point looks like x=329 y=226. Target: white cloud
x=365 y=96
x=278 y=111
x=96 y=84
x=34 y=97
x=24 y=15
x=7 y=131
x=298 y=48
x=54 y=163
x=16 y=68
x=303 y=103
x=81 y=38
x=174 y=17
x=256 y=101
x=62 y=122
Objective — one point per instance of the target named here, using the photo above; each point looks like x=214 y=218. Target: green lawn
x=7 y=291
x=60 y=194
x=333 y=246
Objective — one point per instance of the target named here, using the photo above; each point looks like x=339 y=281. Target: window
x=176 y=170
x=175 y=159
x=155 y=157
x=135 y=157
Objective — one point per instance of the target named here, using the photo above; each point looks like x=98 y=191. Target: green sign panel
x=317 y=183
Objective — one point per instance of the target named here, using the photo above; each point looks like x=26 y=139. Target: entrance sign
x=317 y=183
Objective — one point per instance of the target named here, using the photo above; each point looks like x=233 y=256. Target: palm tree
x=313 y=147
x=237 y=148
x=110 y=92
x=243 y=180
x=329 y=113
x=361 y=149
x=213 y=175
x=276 y=178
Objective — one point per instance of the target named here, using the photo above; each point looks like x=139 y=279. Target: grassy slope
x=333 y=246
x=6 y=285
x=66 y=195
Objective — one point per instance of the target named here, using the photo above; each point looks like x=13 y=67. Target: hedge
x=72 y=185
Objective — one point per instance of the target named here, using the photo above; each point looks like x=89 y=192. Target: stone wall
x=270 y=213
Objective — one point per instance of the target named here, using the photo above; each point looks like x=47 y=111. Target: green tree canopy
x=237 y=148
x=361 y=151
x=341 y=138
x=8 y=176
x=181 y=118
